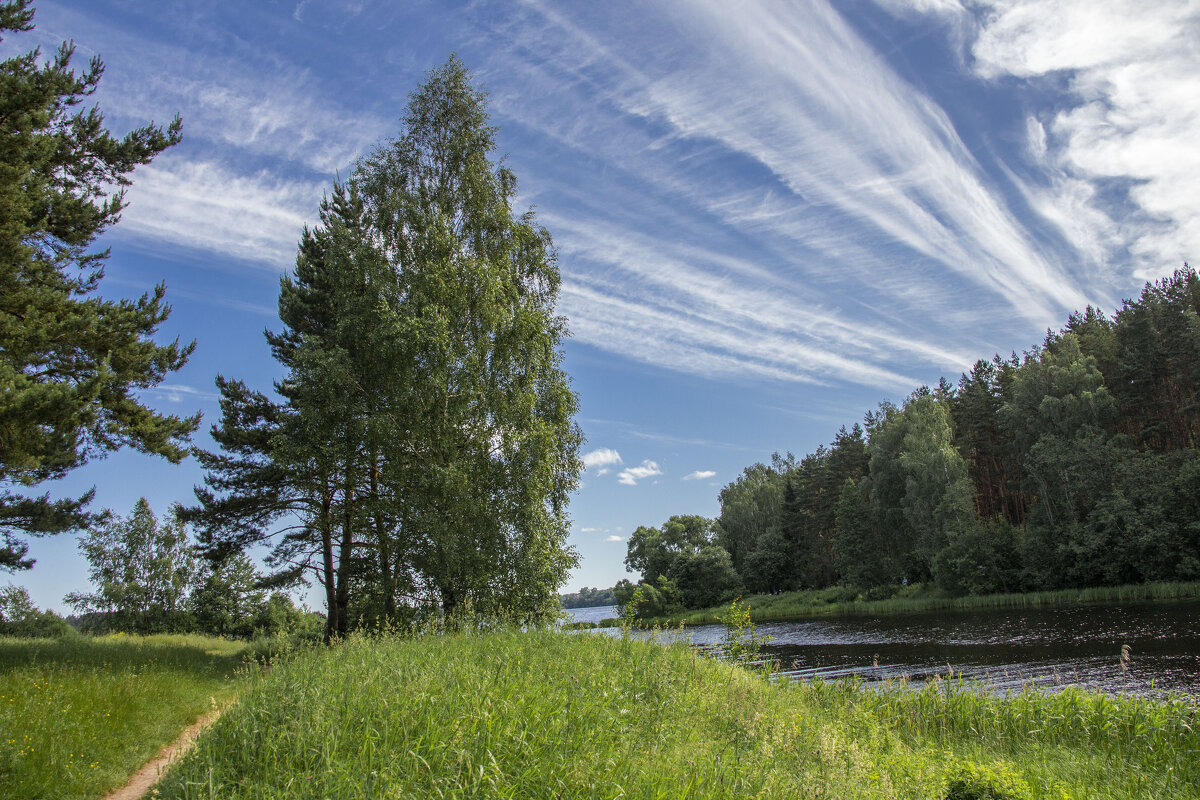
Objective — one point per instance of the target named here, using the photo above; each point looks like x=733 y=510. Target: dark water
x=1006 y=649
x=1078 y=646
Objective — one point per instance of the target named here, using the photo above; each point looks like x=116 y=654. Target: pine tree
x=70 y=362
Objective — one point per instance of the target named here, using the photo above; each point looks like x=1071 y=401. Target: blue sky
x=769 y=216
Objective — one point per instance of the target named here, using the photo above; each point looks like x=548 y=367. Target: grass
x=547 y=715
x=79 y=715
x=838 y=601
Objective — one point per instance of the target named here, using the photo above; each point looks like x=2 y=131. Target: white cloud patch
x=1133 y=68
x=602 y=457
x=207 y=206
x=699 y=475
x=631 y=475
x=179 y=393
x=614 y=538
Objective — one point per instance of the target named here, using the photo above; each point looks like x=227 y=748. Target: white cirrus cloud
x=631 y=475
x=786 y=165
x=699 y=475
x=207 y=206
x=614 y=538
x=178 y=392
x=602 y=457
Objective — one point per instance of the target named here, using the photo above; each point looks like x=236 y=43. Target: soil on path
x=141 y=782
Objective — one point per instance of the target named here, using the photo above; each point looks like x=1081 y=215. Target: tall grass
x=79 y=715
x=545 y=715
x=838 y=601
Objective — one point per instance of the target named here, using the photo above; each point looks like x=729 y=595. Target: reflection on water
x=1079 y=646
x=592 y=614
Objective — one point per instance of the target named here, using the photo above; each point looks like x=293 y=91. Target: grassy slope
x=832 y=602
x=544 y=715
x=79 y=715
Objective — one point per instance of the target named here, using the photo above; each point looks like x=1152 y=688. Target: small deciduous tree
x=142 y=570
x=20 y=617
x=229 y=599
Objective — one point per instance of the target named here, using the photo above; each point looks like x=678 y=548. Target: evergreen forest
x=1073 y=465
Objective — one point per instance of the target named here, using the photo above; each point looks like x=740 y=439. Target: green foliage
x=752 y=506
x=228 y=599
x=142 y=571
x=705 y=578
x=71 y=362
x=681 y=565
x=741 y=642
x=806 y=544
x=20 y=617
x=588 y=597
x=1076 y=465
x=425 y=449
x=970 y=781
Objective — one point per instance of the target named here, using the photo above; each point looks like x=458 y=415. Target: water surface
x=1007 y=649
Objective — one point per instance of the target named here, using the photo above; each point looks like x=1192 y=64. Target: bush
x=971 y=781
x=20 y=618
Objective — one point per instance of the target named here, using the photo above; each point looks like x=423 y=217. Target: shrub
x=1000 y=781
x=20 y=617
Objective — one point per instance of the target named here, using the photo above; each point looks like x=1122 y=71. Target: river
x=1006 y=649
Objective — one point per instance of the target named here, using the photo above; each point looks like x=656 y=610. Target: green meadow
x=79 y=715
x=551 y=715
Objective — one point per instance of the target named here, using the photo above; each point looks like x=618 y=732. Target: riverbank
x=79 y=715
x=835 y=601
x=541 y=714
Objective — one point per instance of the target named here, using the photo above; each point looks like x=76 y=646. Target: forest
x=1073 y=465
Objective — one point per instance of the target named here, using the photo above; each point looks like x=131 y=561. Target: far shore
x=916 y=599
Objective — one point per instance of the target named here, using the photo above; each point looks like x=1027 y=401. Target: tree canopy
x=424 y=447
x=71 y=362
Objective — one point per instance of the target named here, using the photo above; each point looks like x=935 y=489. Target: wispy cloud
x=179 y=393
x=699 y=475
x=631 y=475
x=614 y=538
x=602 y=457
x=210 y=207
x=783 y=162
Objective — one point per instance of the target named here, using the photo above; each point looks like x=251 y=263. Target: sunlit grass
x=79 y=715
x=545 y=715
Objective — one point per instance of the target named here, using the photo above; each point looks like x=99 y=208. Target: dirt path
x=144 y=778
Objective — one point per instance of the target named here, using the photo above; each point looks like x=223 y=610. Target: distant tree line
x=587 y=597
x=1073 y=465
x=148 y=577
